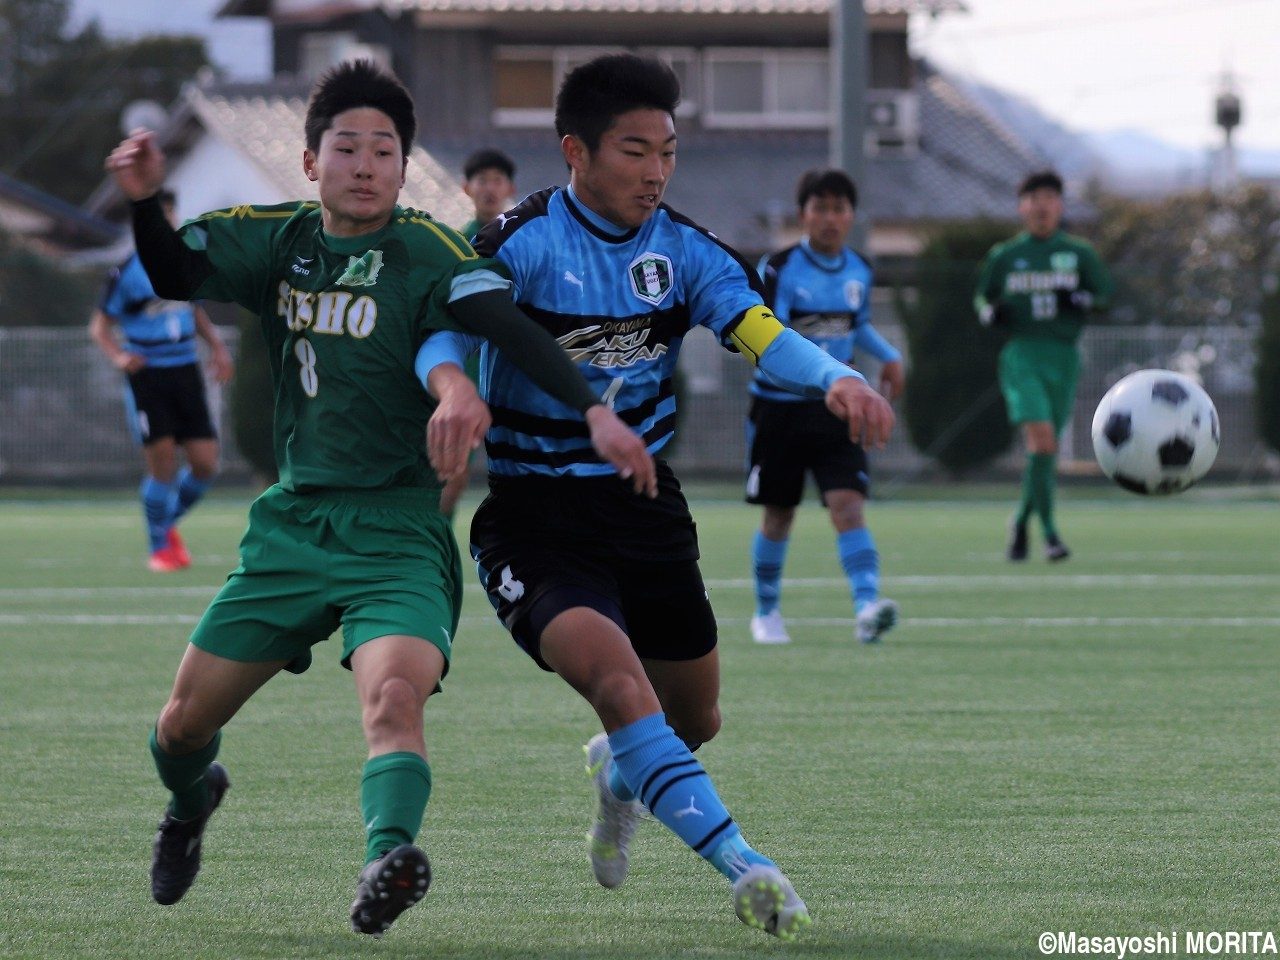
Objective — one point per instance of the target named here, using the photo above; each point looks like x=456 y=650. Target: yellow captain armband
x=755 y=331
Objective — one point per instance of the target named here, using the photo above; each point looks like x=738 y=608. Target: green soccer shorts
x=1038 y=380
x=377 y=563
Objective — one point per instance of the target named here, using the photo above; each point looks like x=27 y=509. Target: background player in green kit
x=489 y=181
x=347 y=290
x=1040 y=286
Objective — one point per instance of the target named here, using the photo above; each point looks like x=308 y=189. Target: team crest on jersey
x=650 y=277
x=361 y=271
x=854 y=291
x=1064 y=261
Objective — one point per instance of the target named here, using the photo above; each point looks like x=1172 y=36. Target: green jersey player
x=1040 y=286
x=348 y=290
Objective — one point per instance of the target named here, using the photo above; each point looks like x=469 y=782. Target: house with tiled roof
x=756 y=111
x=228 y=144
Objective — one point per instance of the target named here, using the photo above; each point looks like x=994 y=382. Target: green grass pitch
x=1089 y=746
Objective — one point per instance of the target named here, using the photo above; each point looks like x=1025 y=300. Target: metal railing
x=62 y=417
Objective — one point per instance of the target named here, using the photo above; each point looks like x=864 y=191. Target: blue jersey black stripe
x=620 y=303
x=161 y=331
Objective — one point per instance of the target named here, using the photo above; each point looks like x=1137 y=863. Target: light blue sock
x=672 y=784
x=621 y=789
x=156 y=508
x=767 y=559
x=190 y=489
x=861 y=565
x=734 y=856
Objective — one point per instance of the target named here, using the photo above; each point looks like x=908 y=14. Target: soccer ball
x=1155 y=431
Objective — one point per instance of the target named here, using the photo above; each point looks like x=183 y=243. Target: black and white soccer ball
x=1155 y=432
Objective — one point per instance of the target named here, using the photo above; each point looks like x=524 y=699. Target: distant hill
x=1062 y=148
x=1131 y=161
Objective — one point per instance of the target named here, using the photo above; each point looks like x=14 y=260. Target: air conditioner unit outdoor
x=893 y=122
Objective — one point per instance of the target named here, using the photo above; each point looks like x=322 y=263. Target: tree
x=1267 y=372
x=953 y=408
x=1192 y=259
x=37 y=292
x=61 y=96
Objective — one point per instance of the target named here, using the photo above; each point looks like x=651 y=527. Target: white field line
x=163 y=620
x=961 y=581
x=1034 y=621
x=890 y=584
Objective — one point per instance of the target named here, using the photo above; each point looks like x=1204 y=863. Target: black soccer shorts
x=545 y=545
x=790 y=439
x=170 y=402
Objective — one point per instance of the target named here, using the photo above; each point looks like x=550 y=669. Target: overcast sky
x=1149 y=65
x=241 y=45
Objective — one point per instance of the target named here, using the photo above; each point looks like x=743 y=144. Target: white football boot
x=769 y=628
x=611 y=834
x=764 y=899
x=876 y=619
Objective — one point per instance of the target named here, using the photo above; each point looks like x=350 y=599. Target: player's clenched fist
x=137 y=165
x=868 y=414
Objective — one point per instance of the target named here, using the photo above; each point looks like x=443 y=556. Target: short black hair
x=167 y=197
x=354 y=84
x=1041 y=180
x=488 y=159
x=829 y=182
x=594 y=94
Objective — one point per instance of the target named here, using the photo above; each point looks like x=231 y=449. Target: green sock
x=1043 y=470
x=393 y=796
x=184 y=776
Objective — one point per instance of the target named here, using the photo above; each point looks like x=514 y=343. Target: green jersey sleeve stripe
x=250 y=212
x=463 y=251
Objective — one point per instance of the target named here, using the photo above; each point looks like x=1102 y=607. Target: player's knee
x=777 y=521
x=180 y=729
x=206 y=468
x=394 y=708
x=696 y=728
x=621 y=694
x=847 y=517
x=206 y=471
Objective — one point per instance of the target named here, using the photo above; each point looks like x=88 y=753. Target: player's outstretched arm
x=868 y=414
x=175 y=270
x=798 y=365
x=459 y=423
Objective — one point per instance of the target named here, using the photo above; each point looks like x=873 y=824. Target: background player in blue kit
x=821 y=289
x=165 y=395
x=593 y=582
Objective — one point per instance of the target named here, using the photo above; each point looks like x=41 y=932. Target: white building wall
x=213 y=175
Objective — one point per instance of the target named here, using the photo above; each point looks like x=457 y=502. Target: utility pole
x=849 y=59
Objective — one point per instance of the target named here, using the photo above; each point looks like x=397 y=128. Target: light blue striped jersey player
x=827 y=300
x=161 y=331
x=620 y=302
